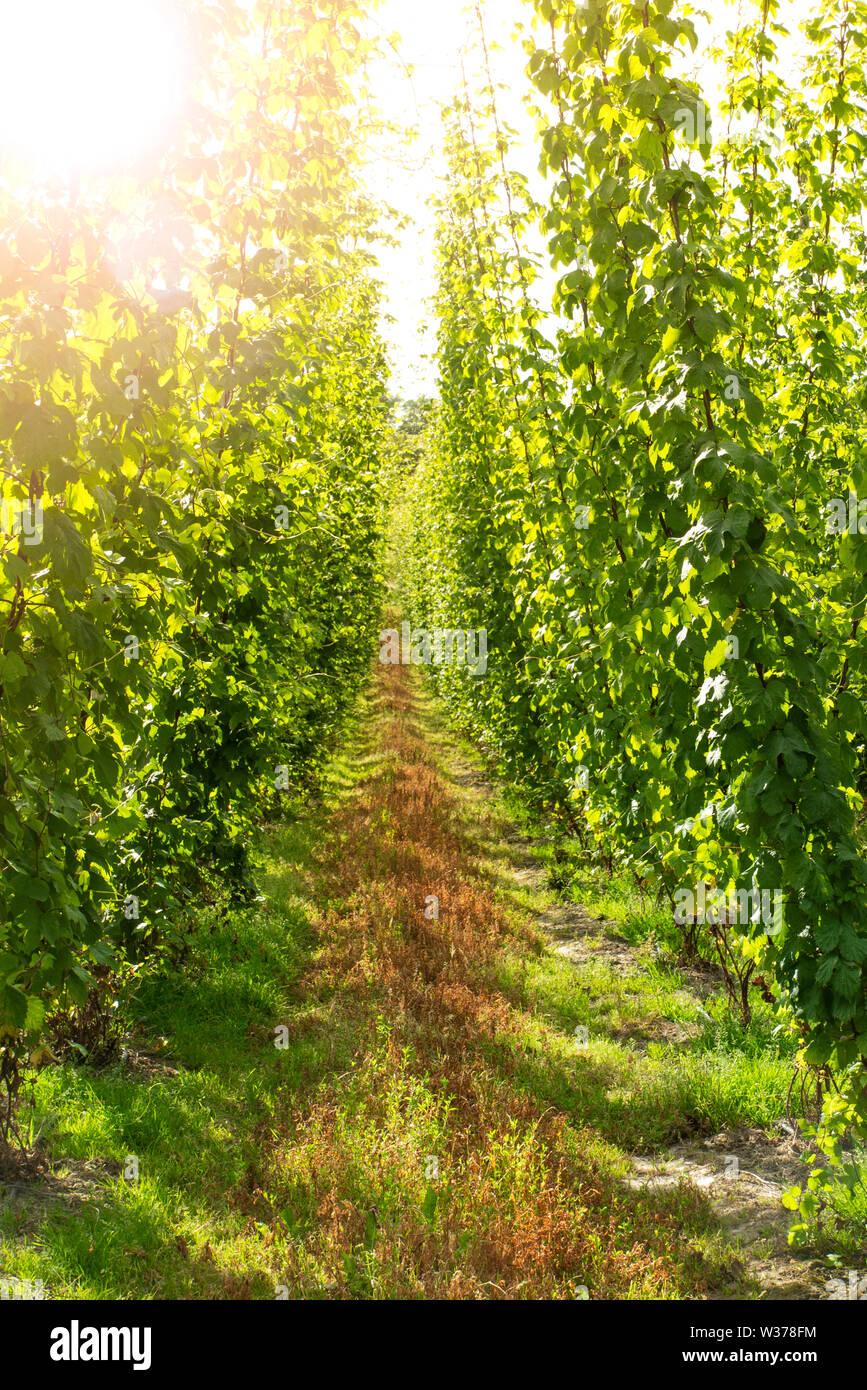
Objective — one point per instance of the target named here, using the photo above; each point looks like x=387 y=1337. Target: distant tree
x=409 y=421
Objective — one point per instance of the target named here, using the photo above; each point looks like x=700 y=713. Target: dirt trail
x=742 y=1172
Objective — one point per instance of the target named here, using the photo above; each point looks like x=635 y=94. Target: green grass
x=203 y=1115
x=196 y=1117
x=640 y=1092
x=630 y=1081
x=232 y=1146
x=637 y=1090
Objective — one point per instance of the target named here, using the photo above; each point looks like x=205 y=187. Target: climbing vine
x=191 y=404
x=647 y=486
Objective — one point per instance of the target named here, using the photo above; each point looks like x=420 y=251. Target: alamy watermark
x=852 y=1287
x=728 y=907
x=77 y=1343
x=22 y=519
x=442 y=646
x=21 y=1289
x=744 y=128
x=846 y=514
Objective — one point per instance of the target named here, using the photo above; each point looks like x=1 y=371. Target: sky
x=409 y=88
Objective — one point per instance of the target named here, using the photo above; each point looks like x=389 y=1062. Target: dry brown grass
x=525 y=1205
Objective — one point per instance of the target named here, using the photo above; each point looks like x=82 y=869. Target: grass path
x=368 y=1085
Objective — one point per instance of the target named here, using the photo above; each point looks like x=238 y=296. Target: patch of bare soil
x=149 y=1065
x=19 y=1165
x=744 y=1173
x=75 y=1182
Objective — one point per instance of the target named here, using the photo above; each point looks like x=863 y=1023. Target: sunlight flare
x=86 y=87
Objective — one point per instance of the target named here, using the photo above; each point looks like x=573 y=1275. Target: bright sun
x=86 y=85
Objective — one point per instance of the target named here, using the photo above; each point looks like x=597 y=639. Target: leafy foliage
x=193 y=394
x=629 y=486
